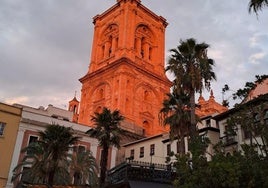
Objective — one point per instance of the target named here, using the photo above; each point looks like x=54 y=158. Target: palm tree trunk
x=52 y=171
x=51 y=177
x=103 y=164
x=193 y=131
x=181 y=145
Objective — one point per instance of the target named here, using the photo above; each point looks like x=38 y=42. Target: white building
x=35 y=120
x=157 y=148
x=255 y=114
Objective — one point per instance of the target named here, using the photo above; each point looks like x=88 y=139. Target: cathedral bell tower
x=126 y=70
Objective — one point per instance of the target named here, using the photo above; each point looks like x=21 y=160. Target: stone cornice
x=142 y=7
x=127 y=62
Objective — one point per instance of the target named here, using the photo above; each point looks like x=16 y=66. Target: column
x=146 y=47
x=113 y=45
x=107 y=49
x=138 y=46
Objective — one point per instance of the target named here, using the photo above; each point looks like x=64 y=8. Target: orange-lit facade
x=126 y=69
x=209 y=107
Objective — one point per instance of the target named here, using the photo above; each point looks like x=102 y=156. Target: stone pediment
x=209 y=107
x=147 y=115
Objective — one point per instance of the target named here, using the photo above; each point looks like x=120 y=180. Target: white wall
x=35 y=120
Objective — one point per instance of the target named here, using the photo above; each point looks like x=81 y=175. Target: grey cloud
x=46 y=45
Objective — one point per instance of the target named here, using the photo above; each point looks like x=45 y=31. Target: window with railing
x=230 y=136
x=229 y=140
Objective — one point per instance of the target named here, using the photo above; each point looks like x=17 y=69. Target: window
x=141 y=152
x=146 y=124
x=132 y=153
x=81 y=149
x=247 y=134
x=142 y=47
x=230 y=134
x=2 y=127
x=168 y=150
x=32 y=139
x=208 y=123
x=152 y=149
x=217 y=125
x=74 y=111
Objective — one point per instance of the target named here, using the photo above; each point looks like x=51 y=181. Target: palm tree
x=192 y=70
x=48 y=157
x=257 y=5
x=84 y=168
x=174 y=114
x=108 y=133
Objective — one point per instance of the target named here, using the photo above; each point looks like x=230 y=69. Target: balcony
x=142 y=172
x=229 y=140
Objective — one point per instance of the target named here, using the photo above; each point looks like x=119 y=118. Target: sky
x=45 y=45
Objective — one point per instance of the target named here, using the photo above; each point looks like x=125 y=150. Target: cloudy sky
x=45 y=45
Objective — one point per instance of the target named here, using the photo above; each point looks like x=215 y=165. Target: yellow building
x=9 y=124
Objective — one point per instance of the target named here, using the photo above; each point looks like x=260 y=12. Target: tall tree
x=84 y=168
x=193 y=71
x=176 y=116
x=257 y=5
x=48 y=157
x=107 y=130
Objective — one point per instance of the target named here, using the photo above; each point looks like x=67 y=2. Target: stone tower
x=126 y=69
x=73 y=107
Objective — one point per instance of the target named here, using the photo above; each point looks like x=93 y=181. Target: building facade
x=9 y=124
x=34 y=120
x=250 y=129
x=251 y=121
x=126 y=69
x=157 y=149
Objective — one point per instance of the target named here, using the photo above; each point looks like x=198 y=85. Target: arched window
x=110 y=46
x=143 y=42
x=146 y=124
x=110 y=40
x=74 y=110
x=142 y=47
